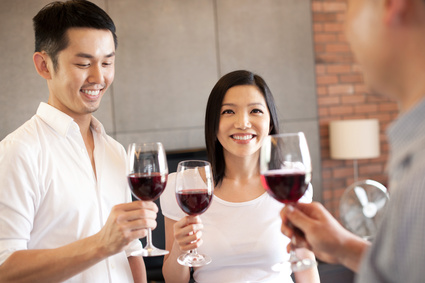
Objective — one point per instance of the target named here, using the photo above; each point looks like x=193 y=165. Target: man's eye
x=83 y=65
x=107 y=64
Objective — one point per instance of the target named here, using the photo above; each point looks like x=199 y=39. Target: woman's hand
x=187 y=233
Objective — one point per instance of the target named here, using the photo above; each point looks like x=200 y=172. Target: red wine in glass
x=146 y=186
x=194 y=202
x=285 y=186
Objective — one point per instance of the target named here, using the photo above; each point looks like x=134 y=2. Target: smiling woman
x=253 y=85
x=244 y=121
x=240 y=231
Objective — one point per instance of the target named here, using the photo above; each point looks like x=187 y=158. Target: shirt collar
x=61 y=122
x=97 y=126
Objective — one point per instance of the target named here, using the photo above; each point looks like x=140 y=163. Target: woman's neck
x=241 y=168
x=241 y=180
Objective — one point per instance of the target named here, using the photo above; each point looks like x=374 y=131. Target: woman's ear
x=41 y=64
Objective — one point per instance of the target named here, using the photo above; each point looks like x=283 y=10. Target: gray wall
x=169 y=57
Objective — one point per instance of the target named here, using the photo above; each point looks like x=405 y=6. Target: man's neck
x=84 y=123
x=412 y=90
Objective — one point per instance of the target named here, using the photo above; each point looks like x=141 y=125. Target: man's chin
x=90 y=110
x=375 y=91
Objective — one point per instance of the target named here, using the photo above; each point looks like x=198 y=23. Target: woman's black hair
x=213 y=111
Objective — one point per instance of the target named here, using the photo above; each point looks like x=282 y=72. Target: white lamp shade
x=354 y=139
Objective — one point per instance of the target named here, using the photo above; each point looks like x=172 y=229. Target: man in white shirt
x=388 y=39
x=65 y=207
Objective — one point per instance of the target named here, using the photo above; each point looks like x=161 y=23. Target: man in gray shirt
x=388 y=39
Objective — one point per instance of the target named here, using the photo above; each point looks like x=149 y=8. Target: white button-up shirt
x=50 y=196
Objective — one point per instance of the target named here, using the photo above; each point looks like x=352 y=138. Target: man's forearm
x=52 y=265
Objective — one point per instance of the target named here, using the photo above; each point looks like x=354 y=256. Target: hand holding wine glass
x=147 y=178
x=285 y=167
x=194 y=192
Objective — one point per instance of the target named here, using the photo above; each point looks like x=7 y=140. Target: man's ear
x=396 y=10
x=41 y=65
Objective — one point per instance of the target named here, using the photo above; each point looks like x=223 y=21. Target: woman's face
x=244 y=121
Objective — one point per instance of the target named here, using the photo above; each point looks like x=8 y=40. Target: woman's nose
x=242 y=122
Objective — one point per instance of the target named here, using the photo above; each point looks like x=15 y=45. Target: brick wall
x=341 y=94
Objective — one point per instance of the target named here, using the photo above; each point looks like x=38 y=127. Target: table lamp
x=354 y=139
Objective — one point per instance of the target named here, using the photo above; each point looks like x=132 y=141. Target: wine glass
x=285 y=168
x=194 y=192
x=147 y=177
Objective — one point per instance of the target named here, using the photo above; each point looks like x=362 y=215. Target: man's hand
x=324 y=235
x=127 y=222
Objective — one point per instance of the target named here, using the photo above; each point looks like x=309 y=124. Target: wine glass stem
x=292 y=255
x=149 y=245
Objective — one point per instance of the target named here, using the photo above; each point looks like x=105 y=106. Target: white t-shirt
x=49 y=195
x=243 y=239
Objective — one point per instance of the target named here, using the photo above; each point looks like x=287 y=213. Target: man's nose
x=96 y=75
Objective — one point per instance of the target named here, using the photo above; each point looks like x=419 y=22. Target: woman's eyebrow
x=256 y=104
x=251 y=104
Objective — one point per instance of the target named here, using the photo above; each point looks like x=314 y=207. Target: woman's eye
x=257 y=111
x=228 y=111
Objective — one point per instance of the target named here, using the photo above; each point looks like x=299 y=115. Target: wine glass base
x=150 y=252
x=280 y=266
x=193 y=260
x=302 y=264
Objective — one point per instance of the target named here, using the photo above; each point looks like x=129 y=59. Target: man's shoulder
x=26 y=134
x=25 y=143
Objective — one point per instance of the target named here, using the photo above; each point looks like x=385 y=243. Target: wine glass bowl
x=194 y=202
x=286 y=171
x=147 y=186
x=147 y=178
x=194 y=192
x=286 y=185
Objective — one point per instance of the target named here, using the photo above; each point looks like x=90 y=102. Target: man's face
x=372 y=43
x=85 y=71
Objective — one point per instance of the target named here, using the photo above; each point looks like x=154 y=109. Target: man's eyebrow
x=89 y=56
x=112 y=54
